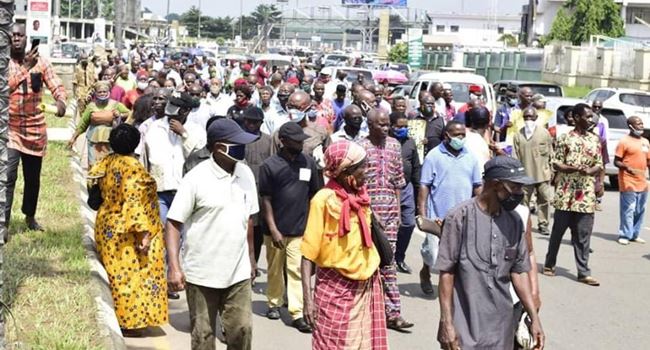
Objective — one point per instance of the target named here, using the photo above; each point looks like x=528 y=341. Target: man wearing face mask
x=577 y=160
x=278 y=115
x=411 y=166
x=84 y=80
x=385 y=179
x=142 y=82
x=351 y=131
x=199 y=115
x=307 y=83
x=426 y=127
x=533 y=146
x=288 y=180
x=323 y=107
x=218 y=102
x=482 y=254
x=503 y=119
x=449 y=176
x=218 y=233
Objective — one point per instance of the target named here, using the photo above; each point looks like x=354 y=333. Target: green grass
x=51 y=120
x=576 y=91
x=47 y=277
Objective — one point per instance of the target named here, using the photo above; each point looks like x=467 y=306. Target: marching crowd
x=195 y=166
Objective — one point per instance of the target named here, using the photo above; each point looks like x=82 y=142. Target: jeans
x=234 y=306
x=31 y=174
x=581 y=225
x=165 y=200
x=632 y=209
x=407 y=224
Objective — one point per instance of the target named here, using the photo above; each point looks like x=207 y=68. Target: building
x=631 y=12
x=470 y=30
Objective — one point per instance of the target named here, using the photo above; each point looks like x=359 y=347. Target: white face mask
x=530 y=125
x=142 y=85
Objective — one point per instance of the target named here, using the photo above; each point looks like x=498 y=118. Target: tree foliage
x=399 y=53
x=509 y=40
x=580 y=19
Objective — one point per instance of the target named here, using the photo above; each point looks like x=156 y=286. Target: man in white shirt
x=351 y=131
x=278 y=114
x=219 y=103
x=218 y=257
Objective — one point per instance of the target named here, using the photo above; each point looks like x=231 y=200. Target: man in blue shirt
x=449 y=176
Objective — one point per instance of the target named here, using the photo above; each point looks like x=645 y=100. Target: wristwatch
x=184 y=134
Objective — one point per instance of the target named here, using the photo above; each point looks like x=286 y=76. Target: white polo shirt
x=214 y=207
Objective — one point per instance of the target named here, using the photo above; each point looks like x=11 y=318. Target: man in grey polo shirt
x=482 y=251
x=218 y=257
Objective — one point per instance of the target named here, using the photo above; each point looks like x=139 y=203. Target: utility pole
x=118 y=26
x=241 y=19
x=199 y=29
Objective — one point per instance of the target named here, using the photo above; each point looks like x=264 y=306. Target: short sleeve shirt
x=215 y=207
x=290 y=184
x=576 y=192
x=634 y=153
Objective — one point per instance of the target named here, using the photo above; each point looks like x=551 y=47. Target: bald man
x=385 y=179
x=351 y=131
x=278 y=113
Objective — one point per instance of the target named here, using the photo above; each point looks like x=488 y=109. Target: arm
x=173 y=244
x=55 y=85
x=423 y=196
x=250 y=237
x=521 y=284
x=416 y=168
x=84 y=123
x=306 y=271
x=532 y=276
x=447 y=336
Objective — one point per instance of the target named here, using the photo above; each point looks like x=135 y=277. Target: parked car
x=336 y=60
x=460 y=83
x=400 y=67
x=538 y=87
x=401 y=90
x=353 y=73
x=617 y=129
x=632 y=102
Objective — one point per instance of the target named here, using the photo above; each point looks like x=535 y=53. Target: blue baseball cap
x=227 y=130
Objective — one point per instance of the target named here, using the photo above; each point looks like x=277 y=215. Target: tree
x=586 y=18
x=509 y=40
x=399 y=53
x=190 y=19
x=265 y=16
x=173 y=17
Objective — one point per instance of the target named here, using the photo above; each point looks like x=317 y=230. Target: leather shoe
x=403 y=268
x=399 y=324
x=425 y=282
x=301 y=325
x=33 y=225
x=273 y=313
x=173 y=295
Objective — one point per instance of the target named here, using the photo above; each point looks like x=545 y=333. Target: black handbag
x=381 y=242
x=95 y=199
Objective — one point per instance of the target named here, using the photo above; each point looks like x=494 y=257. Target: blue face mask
x=298 y=115
x=512 y=102
x=401 y=133
x=457 y=143
x=234 y=152
x=102 y=99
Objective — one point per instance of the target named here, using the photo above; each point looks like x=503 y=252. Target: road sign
x=415 y=47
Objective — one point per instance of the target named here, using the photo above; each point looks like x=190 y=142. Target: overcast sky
x=220 y=8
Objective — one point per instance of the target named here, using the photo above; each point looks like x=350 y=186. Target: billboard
x=39 y=24
x=396 y=3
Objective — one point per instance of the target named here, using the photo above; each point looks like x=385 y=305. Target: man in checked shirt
x=27 y=130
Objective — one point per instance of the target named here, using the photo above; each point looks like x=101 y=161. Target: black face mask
x=512 y=201
x=355 y=123
x=293 y=151
x=283 y=98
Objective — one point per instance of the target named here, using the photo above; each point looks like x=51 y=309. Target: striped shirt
x=27 y=129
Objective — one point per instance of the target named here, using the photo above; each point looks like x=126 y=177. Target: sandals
x=548 y=271
x=398 y=323
x=590 y=281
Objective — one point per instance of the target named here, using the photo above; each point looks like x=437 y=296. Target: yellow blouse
x=322 y=244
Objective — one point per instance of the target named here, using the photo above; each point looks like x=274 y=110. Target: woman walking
x=128 y=234
x=346 y=309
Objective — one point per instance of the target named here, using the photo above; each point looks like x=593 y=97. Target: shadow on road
x=559 y=271
x=647 y=256
x=180 y=321
x=606 y=236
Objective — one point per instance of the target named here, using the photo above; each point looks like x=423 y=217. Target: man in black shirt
x=426 y=127
x=287 y=181
x=411 y=166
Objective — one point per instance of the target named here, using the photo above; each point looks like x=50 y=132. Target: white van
x=460 y=83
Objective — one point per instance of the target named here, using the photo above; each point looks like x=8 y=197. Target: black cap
x=178 y=100
x=254 y=113
x=228 y=130
x=506 y=168
x=292 y=131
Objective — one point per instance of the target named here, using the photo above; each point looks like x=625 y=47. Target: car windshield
x=461 y=91
x=640 y=100
x=353 y=74
x=616 y=118
x=337 y=58
x=546 y=90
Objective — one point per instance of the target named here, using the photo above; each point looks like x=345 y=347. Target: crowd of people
x=200 y=165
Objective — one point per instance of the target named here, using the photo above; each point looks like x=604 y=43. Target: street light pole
x=241 y=19
x=199 y=31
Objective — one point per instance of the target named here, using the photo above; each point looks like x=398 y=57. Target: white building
x=470 y=30
x=630 y=11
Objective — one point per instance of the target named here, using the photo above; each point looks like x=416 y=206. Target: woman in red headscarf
x=346 y=308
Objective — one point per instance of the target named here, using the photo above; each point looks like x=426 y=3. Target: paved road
x=575 y=316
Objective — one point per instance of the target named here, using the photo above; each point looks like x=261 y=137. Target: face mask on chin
x=636 y=132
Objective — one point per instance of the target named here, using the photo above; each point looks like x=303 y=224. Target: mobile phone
x=35 y=43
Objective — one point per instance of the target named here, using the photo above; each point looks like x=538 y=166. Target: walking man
x=450 y=175
x=27 y=129
x=385 y=180
x=632 y=159
x=577 y=160
x=218 y=258
x=533 y=146
x=482 y=253
x=288 y=180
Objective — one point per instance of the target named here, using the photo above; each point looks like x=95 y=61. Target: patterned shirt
x=324 y=113
x=576 y=192
x=27 y=129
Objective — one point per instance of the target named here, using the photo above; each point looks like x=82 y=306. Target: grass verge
x=51 y=120
x=47 y=277
x=576 y=91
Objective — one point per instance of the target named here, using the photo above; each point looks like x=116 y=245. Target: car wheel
x=613 y=181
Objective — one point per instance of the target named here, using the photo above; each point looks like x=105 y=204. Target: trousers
x=278 y=260
x=581 y=226
x=544 y=196
x=32 y=175
x=407 y=222
x=632 y=210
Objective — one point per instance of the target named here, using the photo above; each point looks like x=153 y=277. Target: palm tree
x=5 y=26
x=266 y=16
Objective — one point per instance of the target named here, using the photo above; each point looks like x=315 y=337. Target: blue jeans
x=632 y=209
x=407 y=225
x=165 y=200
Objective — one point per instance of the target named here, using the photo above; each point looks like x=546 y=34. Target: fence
x=494 y=66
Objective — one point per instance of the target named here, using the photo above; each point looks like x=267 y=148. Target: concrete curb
x=109 y=329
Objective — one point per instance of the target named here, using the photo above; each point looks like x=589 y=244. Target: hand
x=447 y=336
x=308 y=309
x=71 y=142
x=508 y=124
x=601 y=191
x=176 y=280
x=117 y=114
x=176 y=126
x=424 y=141
x=537 y=333
x=278 y=239
x=31 y=59
x=145 y=243
x=60 y=108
